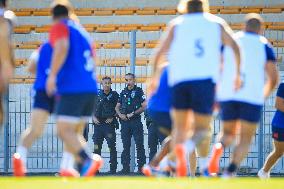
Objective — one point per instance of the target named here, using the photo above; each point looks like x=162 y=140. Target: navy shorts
x=197 y=95
x=233 y=110
x=75 y=105
x=278 y=134
x=44 y=102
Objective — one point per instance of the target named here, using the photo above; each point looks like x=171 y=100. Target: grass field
x=138 y=183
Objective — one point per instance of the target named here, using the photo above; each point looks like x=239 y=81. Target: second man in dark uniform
x=105 y=122
x=129 y=107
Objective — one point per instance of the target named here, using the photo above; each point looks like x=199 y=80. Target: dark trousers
x=106 y=131
x=133 y=127
x=154 y=138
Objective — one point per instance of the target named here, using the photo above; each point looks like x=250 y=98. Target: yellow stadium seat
x=147 y=11
x=117 y=62
x=106 y=28
x=84 y=12
x=152 y=27
x=278 y=44
x=168 y=11
x=230 y=10
x=20 y=62
x=271 y=10
x=28 y=46
x=250 y=10
x=23 y=13
x=103 y=12
x=113 y=45
x=22 y=80
x=126 y=11
x=42 y=12
x=24 y=29
x=43 y=29
x=139 y=45
x=142 y=61
x=151 y=44
x=214 y=11
x=129 y=27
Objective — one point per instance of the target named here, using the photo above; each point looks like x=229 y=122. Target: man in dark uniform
x=105 y=122
x=129 y=107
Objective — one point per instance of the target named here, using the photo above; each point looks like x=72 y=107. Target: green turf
x=139 y=183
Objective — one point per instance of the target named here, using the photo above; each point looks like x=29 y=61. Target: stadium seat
x=84 y=12
x=126 y=11
x=167 y=11
x=117 y=62
x=106 y=28
x=139 y=44
x=103 y=12
x=23 y=13
x=151 y=44
x=250 y=10
x=24 y=29
x=276 y=26
x=129 y=27
x=142 y=61
x=147 y=11
x=271 y=10
x=152 y=27
x=278 y=44
x=42 y=12
x=43 y=29
x=20 y=62
x=237 y=26
x=230 y=10
x=27 y=46
x=113 y=45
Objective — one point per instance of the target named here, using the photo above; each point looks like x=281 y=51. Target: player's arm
x=279 y=103
x=163 y=46
x=271 y=71
x=227 y=39
x=32 y=64
x=59 y=37
x=5 y=51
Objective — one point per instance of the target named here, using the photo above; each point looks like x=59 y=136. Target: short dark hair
x=253 y=22
x=131 y=74
x=106 y=78
x=60 y=11
x=3 y=3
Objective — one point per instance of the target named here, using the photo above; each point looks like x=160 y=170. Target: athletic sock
x=23 y=153
x=67 y=161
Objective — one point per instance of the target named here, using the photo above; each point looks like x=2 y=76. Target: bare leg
x=274 y=156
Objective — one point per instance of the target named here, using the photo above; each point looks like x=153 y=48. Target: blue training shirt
x=43 y=64
x=278 y=119
x=160 y=101
x=77 y=74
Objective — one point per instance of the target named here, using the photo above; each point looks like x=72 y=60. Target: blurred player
x=193 y=42
x=277 y=135
x=244 y=107
x=7 y=19
x=73 y=78
x=42 y=108
x=159 y=111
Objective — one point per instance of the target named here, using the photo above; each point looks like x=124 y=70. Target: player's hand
x=130 y=115
x=95 y=120
x=109 y=120
x=238 y=83
x=51 y=85
x=123 y=117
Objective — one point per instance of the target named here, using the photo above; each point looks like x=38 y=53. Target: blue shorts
x=75 y=105
x=278 y=133
x=197 y=95
x=44 y=102
x=234 y=110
